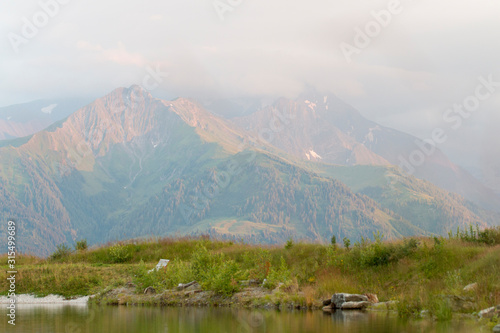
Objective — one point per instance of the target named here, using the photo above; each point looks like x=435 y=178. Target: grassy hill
x=416 y=272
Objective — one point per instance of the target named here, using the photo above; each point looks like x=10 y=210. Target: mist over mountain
x=321 y=127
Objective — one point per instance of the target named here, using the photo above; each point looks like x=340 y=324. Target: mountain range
x=25 y=119
x=130 y=165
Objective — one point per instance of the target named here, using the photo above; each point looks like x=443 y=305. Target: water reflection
x=82 y=319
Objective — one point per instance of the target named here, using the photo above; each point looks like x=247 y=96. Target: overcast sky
x=425 y=57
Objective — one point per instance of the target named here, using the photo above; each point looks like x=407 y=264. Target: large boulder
x=339 y=299
x=487 y=313
x=355 y=305
x=328 y=308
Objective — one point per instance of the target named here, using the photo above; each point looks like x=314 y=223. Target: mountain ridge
x=337 y=133
x=130 y=165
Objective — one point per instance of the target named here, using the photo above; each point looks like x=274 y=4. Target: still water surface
x=109 y=319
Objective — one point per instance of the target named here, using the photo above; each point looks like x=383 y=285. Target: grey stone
x=471 y=287
x=328 y=308
x=182 y=286
x=193 y=287
x=248 y=283
x=424 y=313
x=149 y=291
x=341 y=298
x=487 y=313
x=496 y=329
x=355 y=305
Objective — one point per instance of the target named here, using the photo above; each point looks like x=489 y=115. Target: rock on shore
x=346 y=301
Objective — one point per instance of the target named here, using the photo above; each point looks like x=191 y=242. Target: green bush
x=289 y=244
x=119 y=253
x=202 y=261
x=333 y=241
x=214 y=271
x=62 y=251
x=409 y=306
x=281 y=274
x=177 y=272
x=347 y=242
x=441 y=309
x=490 y=236
x=405 y=250
x=143 y=278
x=222 y=279
x=378 y=253
x=258 y=264
x=81 y=245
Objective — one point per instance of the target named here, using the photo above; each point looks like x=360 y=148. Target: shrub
x=441 y=309
x=289 y=244
x=347 y=242
x=81 y=245
x=62 y=251
x=119 y=253
x=378 y=253
x=259 y=264
x=409 y=306
x=214 y=271
x=143 y=278
x=490 y=236
x=367 y=254
x=177 y=272
x=202 y=261
x=281 y=274
x=333 y=240
x=222 y=279
x=409 y=247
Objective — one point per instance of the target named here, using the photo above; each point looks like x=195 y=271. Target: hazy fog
x=425 y=56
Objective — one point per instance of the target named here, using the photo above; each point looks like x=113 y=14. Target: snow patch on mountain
x=369 y=136
x=49 y=109
x=310 y=104
x=313 y=154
